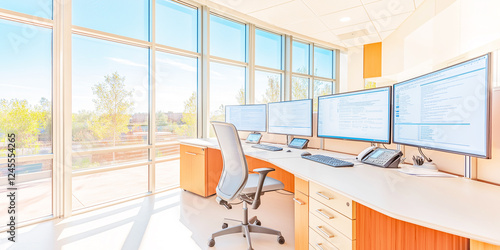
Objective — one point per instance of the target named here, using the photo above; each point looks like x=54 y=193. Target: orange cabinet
x=200 y=169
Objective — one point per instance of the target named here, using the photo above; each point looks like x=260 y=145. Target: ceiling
x=343 y=22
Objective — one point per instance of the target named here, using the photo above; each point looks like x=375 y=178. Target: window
x=34 y=194
x=321 y=88
x=300 y=55
x=227 y=87
x=268 y=49
x=176 y=25
x=97 y=188
x=267 y=87
x=176 y=97
x=26 y=99
x=110 y=93
x=128 y=18
x=324 y=63
x=227 y=39
x=300 y=88
x=31 y=7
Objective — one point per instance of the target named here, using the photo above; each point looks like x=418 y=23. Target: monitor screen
x=247 y=117
x=360 y=115
x=446 y=110
x=291 y=117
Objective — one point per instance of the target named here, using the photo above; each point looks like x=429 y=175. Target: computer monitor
x=446 y=110
x=290 y=117
x=247 y=117
x=359 y=115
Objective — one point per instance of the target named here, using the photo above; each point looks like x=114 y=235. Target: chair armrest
x=262 y=176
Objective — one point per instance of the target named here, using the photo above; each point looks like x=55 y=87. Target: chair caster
x=258 y=223
x=281 y=240
x=224 y=225
x=211 y=242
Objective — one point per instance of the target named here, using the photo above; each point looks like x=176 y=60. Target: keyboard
x=327 y=160
x=267 y=147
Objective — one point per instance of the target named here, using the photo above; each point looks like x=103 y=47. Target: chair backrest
x=235 y=171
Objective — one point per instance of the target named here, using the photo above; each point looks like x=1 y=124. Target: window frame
x=62 y=31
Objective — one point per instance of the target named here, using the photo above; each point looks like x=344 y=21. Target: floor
x=35 y=197
x=170 y=220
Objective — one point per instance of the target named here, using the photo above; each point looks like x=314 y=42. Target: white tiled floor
x=171 y=220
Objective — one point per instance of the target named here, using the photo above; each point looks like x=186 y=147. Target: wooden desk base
x=379 y=231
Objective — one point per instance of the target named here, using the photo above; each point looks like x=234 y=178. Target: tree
x=113 y=107
x=300 y=88
x=273 y=90
x=82 y=121
x=240 y=97
x=26 y=122
x=188 y=126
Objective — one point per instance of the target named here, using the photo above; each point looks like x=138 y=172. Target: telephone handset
x=380 y=157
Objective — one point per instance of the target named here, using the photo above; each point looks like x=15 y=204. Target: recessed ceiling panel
x=285 y=14
x=323 y=7
x=352 y=16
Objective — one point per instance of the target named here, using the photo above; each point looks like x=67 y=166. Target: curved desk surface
x=457 y=206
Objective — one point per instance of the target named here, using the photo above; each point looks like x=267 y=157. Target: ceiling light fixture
x=345 y=19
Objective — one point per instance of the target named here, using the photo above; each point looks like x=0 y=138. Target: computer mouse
x=289 y=151
x=305 y=154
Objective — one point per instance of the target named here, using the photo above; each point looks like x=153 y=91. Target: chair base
x=246 y=227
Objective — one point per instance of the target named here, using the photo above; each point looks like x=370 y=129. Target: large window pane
x=321 y=88
x=176 y=97
x=300 y=88
x=105 y=159
x=167 y=174
x=110 y=93
x=268 y=49
x=300 y=57
x=98 y=188
x=31 y=7
x=26 y=83
x=227 y=39
x=323 y=62
x=227 y=87
x=122 y=17
x=34 y=190
x=176 y=25
x=267 y=87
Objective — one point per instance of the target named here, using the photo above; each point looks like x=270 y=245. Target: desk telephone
x=380 y=157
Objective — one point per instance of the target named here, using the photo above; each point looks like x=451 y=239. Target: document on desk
x=424 y=172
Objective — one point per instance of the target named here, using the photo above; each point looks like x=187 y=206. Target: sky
x=25 y=48
x=25 y=62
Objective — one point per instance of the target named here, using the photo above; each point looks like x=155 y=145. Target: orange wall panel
x=372 y=60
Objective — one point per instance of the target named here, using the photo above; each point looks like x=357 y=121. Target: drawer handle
x=323 y=214
x=189 y=153
x=320 y=246
x=298 y=201
x=320 y=228
x=324 y=196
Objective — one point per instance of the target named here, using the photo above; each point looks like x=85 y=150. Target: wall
x=439 y=33
x=442 y=33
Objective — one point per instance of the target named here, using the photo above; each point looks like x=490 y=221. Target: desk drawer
x=317 y=242
x=333 y=218
x=329 y=233
x=333 y=199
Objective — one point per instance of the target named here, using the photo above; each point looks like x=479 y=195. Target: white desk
x=457 y=206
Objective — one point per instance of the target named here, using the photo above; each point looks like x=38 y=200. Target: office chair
x=235 y=182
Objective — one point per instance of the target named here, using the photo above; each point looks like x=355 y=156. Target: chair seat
x=270 y=184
